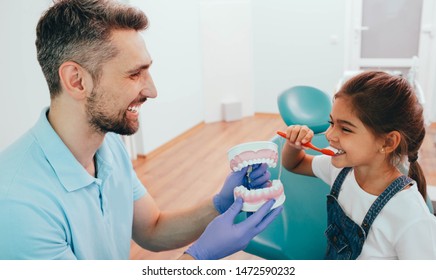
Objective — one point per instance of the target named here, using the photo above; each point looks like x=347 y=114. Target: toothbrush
x=310 y=145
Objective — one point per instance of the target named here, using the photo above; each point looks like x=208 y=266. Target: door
x=396 y=36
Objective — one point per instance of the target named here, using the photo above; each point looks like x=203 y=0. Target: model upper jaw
x=251 y=153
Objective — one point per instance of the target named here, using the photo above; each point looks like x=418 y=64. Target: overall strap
x=396 y=186
x=338 y=182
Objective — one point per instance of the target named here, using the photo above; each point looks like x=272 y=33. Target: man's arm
x=157 y=230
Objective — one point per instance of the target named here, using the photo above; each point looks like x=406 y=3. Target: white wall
x=173 y=40
x=227 y=48
x=247 y=50
x=23 y=91
x=296 y=43
x=427 y=70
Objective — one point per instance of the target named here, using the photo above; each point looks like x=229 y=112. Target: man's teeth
x=133 y=109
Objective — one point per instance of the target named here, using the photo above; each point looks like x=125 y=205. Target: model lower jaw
x=254 y=199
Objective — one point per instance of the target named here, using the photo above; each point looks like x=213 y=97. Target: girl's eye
x=330 y=122
x=346 y=129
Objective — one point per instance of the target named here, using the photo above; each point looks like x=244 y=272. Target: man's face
x=125 y=84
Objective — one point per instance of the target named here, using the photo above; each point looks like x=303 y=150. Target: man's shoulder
x=18 y=149
x=18 y=155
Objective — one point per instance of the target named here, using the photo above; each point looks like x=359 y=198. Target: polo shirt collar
x=70 y=172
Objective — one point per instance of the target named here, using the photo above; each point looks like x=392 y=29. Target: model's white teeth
x=276 y=185
x=255 y=198
x=271 y=163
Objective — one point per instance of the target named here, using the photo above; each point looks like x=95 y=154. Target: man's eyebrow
x=344 y=122
x=139 y=68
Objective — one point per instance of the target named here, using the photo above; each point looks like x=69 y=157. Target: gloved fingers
x=233 y=210
x=268 y=219
x=240 y=173
x=260 y=182
x=257 y=217
x=258 y=170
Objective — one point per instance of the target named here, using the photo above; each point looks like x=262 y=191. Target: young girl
x=374 y=211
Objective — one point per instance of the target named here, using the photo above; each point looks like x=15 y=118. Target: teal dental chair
x=298 y=234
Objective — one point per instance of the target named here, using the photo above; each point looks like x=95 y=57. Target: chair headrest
x=305 y=105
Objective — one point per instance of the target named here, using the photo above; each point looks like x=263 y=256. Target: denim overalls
x=345 y=238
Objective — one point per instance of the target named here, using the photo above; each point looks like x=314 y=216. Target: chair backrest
x=305 y=105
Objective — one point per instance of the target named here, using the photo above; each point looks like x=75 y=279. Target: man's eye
x=135 y=75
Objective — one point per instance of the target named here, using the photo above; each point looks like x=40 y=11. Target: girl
x=374 y=211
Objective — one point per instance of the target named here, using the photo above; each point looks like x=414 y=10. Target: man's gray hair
x=79 y=31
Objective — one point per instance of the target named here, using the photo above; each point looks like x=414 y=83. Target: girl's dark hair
x=386 y=103
x=79 y=31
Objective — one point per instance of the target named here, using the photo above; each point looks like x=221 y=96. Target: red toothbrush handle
x=310 y=145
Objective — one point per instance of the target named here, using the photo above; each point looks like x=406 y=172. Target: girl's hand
x=298 y=135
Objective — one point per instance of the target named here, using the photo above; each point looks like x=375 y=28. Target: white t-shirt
x=404 y=228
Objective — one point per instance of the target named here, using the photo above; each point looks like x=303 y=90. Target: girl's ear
x=392 y=140
x=75 y=80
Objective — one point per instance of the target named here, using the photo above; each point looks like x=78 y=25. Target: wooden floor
x=194 y=165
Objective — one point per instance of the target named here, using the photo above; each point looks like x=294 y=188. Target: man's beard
x=103 y=123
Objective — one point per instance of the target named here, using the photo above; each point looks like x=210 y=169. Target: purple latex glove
x=222 y=237
x=259 y=177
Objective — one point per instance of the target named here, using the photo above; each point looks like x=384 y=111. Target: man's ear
x=392 y=140
x=75 y=80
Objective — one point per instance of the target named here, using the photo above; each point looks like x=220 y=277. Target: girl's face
x=357 y=146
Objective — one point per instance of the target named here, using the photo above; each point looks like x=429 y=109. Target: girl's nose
x=329 y=134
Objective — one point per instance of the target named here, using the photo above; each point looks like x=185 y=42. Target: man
x=67 y=187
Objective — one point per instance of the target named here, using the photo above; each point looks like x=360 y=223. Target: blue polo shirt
x=51 y=208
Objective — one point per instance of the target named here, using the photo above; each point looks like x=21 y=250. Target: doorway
x=396 y=36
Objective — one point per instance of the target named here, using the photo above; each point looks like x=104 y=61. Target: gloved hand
x=222 y=237
x=259 y=177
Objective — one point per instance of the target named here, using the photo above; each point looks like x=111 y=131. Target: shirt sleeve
x=323 y=169
x=138 y=188
x=29 y=232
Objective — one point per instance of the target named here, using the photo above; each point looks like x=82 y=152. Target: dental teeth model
x=251 y=153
